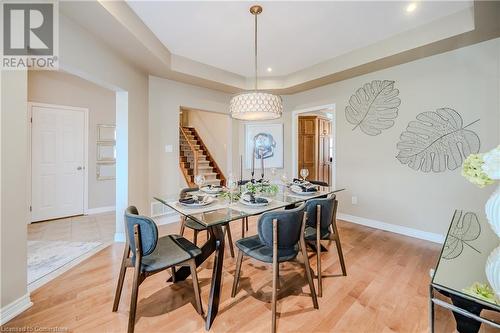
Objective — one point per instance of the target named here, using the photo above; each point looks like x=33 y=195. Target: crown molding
x=117 y=24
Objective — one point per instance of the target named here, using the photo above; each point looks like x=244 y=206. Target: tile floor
x=85 y=228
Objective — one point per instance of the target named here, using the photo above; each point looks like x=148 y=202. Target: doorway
x=71 y=200
x=58 y=161
x=313 y=139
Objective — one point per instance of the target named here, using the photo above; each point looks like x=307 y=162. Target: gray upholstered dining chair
x=280 y=238
x=197 y=227
x=322 y=225
x=151 y=255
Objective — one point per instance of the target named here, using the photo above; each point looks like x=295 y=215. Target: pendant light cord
x=255 y=52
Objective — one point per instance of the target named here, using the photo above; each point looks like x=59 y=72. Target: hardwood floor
x=385 y=290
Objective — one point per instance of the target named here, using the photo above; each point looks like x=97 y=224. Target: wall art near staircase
x=373 y=107
x=437 y=141
x=264 y=139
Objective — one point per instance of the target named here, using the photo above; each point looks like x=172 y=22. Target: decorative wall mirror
x=106 y=152
x=106 y=133
x=106 y=171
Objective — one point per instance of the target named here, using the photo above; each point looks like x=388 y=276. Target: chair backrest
x=328 y=206
x=147 y=227
x=289 y=227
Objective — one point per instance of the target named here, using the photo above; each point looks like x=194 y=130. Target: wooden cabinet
x=315 y=153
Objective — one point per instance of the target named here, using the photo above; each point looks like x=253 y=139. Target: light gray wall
x=215 y=131
x=165 y=99
x=14 y=203
x=85 y=55
x=64 y=89
x=467 y=80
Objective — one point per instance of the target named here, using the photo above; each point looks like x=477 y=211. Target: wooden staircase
x=194 y=155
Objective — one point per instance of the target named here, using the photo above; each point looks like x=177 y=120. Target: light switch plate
x=354 y=200
x=169 y=149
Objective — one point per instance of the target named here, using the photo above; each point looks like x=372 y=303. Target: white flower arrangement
x=491 y=165
x=482 y=169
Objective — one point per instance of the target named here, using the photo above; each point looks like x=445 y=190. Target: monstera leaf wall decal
x=373 y=107
x=464 y=229
x=437 y=140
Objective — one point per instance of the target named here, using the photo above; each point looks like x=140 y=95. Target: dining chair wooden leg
x=275 y=273
x=237 y=273
x=121 y=277
x=196 y=286
x=246 y=222
x=183 y=220
x=306 y=264
x=318 y=250
x=133 y=301
x=337 y=238
x=137 y=280
x=195 y=237
x=173 y=273
x=243 y=227
x=227 y=229
x=330 y=239
x=341 y=255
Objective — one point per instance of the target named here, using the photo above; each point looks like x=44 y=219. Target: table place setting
x=303 y=187
x=212 y=189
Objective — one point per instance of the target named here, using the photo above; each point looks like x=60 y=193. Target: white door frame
x=85 y=150
x=295 y=122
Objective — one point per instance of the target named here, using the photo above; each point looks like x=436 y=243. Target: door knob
x=79 y=168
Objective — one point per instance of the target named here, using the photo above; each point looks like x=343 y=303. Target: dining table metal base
x=215 y=244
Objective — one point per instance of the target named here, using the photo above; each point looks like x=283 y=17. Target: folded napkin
x=304 y=188
x=190 y=200
x=249 y=197
x=187 y=201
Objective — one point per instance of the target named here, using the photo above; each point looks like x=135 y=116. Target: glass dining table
x=219 y=213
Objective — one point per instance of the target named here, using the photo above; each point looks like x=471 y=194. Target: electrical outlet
x=354 y=200
x=169 y=149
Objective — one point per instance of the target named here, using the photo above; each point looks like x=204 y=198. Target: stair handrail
x=210 y=156
x=195 y=152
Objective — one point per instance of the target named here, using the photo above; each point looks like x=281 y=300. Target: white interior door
x=57 y=169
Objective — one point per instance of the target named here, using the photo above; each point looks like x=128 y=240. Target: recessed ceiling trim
x=433 y=38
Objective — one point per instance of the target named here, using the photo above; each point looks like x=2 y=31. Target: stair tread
x=188 y=140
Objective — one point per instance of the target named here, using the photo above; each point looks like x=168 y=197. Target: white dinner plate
x=211 y=190
x=297 y=190
x=208 y=200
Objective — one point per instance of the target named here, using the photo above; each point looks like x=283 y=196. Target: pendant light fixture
x=256 y=104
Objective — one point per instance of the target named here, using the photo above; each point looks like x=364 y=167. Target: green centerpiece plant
x=262 y=188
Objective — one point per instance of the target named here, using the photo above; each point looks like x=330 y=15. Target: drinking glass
x=304 y=173
x=284 y=178
x=199 y=180
x=232 y=185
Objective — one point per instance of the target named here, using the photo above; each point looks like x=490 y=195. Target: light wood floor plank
x=385 y=291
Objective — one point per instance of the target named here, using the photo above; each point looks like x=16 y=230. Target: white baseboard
x=398 y=229
x=99 y=210
x=15 y=308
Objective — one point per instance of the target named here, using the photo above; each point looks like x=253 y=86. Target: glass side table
x=468 y=243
